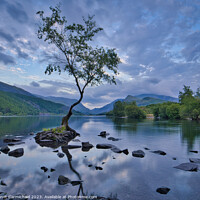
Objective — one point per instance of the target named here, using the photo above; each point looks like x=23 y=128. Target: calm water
x=126 y=177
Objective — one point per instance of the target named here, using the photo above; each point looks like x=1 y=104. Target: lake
x=123 y=176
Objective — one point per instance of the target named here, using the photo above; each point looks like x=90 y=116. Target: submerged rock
x=45 y=169
x=116 y=149
x=146 y=148
x=194 y=151
x=90 y=165
x=125 y=151
x=52 y=170
x=86 y=146
x=98 y=168
x=159 y=152
x=138 y=153
x=163 y=190
x=174 y=158
x=8 y=140
x=113 y=139
x=3 y=183
x=5 y=149
x=16 y=153
x=62 y=180
x=194 y=160
x=187 y=167
x=103 y=134
x=60 y=155
x=17 y=143
x=104 y=146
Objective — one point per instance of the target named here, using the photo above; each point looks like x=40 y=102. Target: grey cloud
x=17 y=13
x=6 y=36
x=6 y=59
x=34 y=84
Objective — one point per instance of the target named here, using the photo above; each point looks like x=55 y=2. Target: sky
x=158 y=42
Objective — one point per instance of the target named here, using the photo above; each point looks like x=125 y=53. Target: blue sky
x=158 y=42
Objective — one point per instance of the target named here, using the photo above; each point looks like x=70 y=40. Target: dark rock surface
x=60 y=155
x=138 y=153
x=125 y=151
x=86 y=146
x=163 y=190
x=72 y=146
x=16 y=153
x=8 y=140
x=98 y=168
x=3 y=183
x=45 y=169
x=113 y=139
x=187 y=167
x=16 y=143
x=194 y=160
x=159 y=152
x=5 y=149
x=194 y=151
x=104 y=146
x=62 y=180
x=52 y=170
x=103 y=134
x=146 y=148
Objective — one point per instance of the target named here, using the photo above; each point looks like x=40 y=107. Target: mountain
x=68 y=102
x=104 y=109
x=163 y=97
x=13 y=89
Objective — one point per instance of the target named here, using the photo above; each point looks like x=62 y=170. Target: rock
x=113 y=139
x=17 y=143
x=60 y=155
x=45 y=169
x=5 y=149
x=103 y=134
x=116 y=149
x=146 y=148
x=72 y=146
x=52 y=170
x=138 y=153
x=32 y=133
x=194 y=160
x=104 y=146
x=114 y=157
x=159 y=152
x=16 y=153
x=3 y=183
x=74 y=183
x=86 y=146
x=98 y=168
x=188 y=167
x=103 y=163
x=76 y=140
x=125 y=151
x=89 y=165
x=8 y=140
x=194 y=151
x=55 y=151
x=62 y=180
x=163 y=190
x=174 y=158
x=48 y=177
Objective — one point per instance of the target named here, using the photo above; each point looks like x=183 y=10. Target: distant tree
x=118 y=109
x=133 y=111
x=186 y=95
x=173 y=111
x=88 y=65
x=198 y=93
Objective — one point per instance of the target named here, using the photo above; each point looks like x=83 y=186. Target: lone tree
x=88 y=65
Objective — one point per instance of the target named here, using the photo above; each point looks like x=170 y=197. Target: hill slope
x=18 y=104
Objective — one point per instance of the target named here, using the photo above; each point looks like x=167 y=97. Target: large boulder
x=62 y=180
x=16 y=153
x=5 y=149
x=86 y=146
x=187 y=167
x=138 y=153
x=163 y=190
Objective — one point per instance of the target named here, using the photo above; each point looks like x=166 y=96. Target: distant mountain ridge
x=141 y=100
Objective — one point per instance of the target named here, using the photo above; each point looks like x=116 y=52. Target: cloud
x=34 y=84
x=6 y=59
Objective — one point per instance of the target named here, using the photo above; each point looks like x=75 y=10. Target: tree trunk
x=66 y=118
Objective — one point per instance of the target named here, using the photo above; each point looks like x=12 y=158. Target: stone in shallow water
x=103 y=134
x=86 y=146
x=104 y=146
x=138 y=153
x=3 y=183
x=62 y=180
x=159 y=152
x=16 y=153
x=5 y=149
x=187 y=167
x=163 y=190
x=146 y=148
x=125 y=151
x=194 y=160
x=60 y=155
x=8 y=140
x=52 y=170
x=113 y=139
x=98 y=168
x=194 y=151
x=45 y=169
x=72 y=146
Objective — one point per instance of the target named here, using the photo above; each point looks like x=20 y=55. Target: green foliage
x=186 y=95
x=173 y=111
x=131 y=110
x=18 y=104
x=118 y=109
